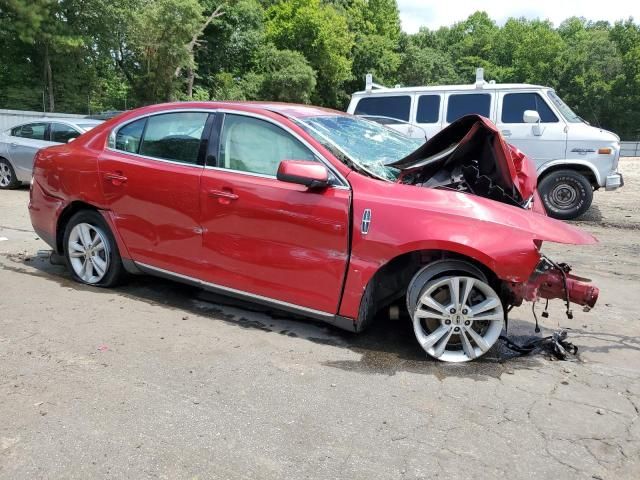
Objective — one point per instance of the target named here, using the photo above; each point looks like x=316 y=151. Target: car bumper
x=614 y=181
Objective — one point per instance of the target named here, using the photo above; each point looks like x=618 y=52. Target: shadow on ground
x=387 y=347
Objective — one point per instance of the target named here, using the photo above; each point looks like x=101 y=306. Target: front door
x=151 y=182
x=544 y=142
x=269 y=238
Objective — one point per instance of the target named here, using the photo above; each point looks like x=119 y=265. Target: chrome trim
x=366 y=221
x=156 y=159
x=259 y=298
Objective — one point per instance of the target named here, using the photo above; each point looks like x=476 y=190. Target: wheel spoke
x=490 y=317
x=468 y=286
x=466 y=345
x=85 y=235
x=422 y=314
x=99 y=265
x=76 y=254
x=432 y=303
x=488 y=304
x=454 y=291
x=76 y=247
x=432 y=339
x=88 y=270
x=442 y=345
x=480 y=341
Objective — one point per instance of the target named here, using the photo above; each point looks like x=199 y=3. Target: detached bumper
x=551 y=281
x=613 y=181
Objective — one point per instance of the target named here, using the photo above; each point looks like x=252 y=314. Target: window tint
x=514 y=105
x=428 y=109
x=62 y=133
x=389 y=106
x=465 y=104
x=253 y=145
x=174 y=136
x=36 y=131
x=128 y=137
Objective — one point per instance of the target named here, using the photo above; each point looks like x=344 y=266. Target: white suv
x=573 y=158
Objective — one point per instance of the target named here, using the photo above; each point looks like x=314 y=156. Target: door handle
x=506 y=133
x=228 y=194
x=116 y=178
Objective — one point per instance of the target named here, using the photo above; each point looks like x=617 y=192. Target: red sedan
x=312 y=211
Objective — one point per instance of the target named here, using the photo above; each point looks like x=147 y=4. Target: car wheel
x=8 y=179
x=457 y=316
x=566 y=194
x=91 y=251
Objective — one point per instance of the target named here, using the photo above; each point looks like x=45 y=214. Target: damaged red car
x=312 y=211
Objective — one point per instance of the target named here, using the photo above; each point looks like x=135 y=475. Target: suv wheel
x=91 y=251
x=566 y=194
x=8 y=179
x=457 y=316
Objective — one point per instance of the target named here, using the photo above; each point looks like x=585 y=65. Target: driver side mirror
x=303 y=172
x=71 y=139
x=532 y=116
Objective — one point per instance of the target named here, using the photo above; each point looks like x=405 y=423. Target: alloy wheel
x=458 y=319
x=6 y=176
x=88 y=251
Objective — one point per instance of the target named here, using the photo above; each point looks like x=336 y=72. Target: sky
x=434 y=14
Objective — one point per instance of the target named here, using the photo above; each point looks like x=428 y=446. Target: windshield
x=565 y=110
x=370 y=147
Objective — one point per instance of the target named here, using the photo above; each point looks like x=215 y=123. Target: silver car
x=19 y=144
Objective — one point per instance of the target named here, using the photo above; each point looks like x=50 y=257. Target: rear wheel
x=8 y=179
x=566 y=194
x=91 y=251
x=457 y=316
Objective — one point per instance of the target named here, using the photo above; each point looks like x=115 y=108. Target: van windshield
x=360 y=143
x=569 y=115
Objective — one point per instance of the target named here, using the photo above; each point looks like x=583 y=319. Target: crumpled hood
x=470 y=138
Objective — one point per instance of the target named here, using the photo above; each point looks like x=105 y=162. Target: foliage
x=90 y=55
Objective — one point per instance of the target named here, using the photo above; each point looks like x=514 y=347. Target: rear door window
x=428 y=109
x=62 y=133
x=34 y=131
x=465 y=104
x=394 y=106
x=515 y=104
x=128 y=137
x=174 y=136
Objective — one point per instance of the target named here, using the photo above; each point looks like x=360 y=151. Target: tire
x=566 y=194
x=100 y=264
x=8 y=179
x=454 y=327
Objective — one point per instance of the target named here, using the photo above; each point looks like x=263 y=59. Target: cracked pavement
x=159 y=380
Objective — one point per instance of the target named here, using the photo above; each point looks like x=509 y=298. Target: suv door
x=265 y=237
x=544 y=142
x=151 y=182
x=429 y=112
x=24 y=142
x=397 y=106
x=459 y=104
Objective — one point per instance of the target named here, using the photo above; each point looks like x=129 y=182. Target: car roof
x=295 y=110
x=69 y=121
x=447 y=88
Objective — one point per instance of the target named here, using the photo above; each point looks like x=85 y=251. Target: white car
x=19 y=144
x=572 y=157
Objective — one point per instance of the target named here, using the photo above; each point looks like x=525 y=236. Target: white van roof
x=441 y=88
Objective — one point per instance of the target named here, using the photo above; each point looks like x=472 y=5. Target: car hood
x=473 y=139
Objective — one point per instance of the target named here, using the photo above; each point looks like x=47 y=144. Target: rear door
x=62 y=133
x=544 y=142
x=265 y=237
x=151 y=181
x=24 y=142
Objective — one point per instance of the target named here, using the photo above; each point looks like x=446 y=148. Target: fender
x=570 y=162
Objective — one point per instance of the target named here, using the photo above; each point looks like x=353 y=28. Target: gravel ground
x=157 y=380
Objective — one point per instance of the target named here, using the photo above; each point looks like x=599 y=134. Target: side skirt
x=343 y=323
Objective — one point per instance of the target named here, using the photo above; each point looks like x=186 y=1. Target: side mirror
x=303 y=172
x=531 y=116
x=71 y=139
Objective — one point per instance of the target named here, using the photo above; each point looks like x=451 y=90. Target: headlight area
x=552 y=280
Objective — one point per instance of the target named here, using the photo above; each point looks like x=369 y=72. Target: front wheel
x=91 y=251
x=566 y=194
x=456 y=317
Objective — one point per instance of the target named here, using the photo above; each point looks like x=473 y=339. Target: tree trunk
x=48 y=78
x=190 y=79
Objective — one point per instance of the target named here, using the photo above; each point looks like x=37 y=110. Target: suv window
x=252 y=145
x=128 y=137
x=174 y=136
x=465 y=104
x=35 y=131
x=396 y=106
x=62 y=133
x=514 y=105
x=428 y=109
